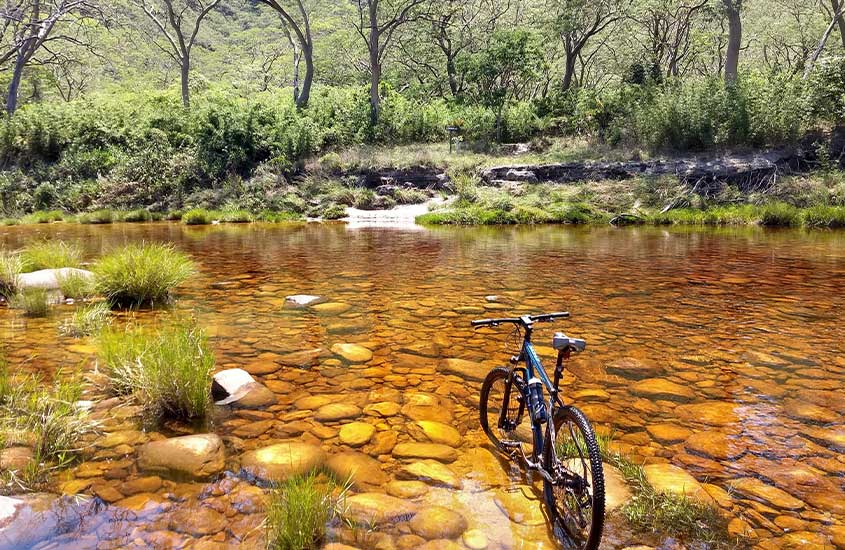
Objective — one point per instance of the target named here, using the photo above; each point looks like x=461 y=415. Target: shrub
x=44 y=217
x=98 y=217
x=33 y=301
x=332 y=211
x=824 y=216
x=76 y=286
x=86 y=320
x=51 y=255
x=278 y=217
x=9 y=221
x=142 y=274
x=779 y=214
x=236 y=216
x=168 y=371
x=300 y=510
x=197 y=216
x=409 y=196
x=10 y=267
x=137 y=216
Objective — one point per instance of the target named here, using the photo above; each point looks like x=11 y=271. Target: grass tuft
x=142 y=274
x=86 y=320
x=780 y=214
x=50 y=254
x=236 y=216
x=33 y=301
x=300 y=510
x=98 y=217
x=10 y=267
x=197 y=216
x=42 y=216
x=168 y=371
x=77 y=286
x=137 y=216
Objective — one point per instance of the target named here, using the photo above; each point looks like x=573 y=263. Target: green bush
x=33 y=301
x=142 y=274
x=779 y=214
x=197 y=216
x=236 y=216
x=44 y=217
x=137 y=216
x=98 y=217
x=10 y=267
x=168 y=371
x=50 y=255
x=824 y=216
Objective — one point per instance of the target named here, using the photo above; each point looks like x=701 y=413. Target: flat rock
x=435 y=432
x=521 y=505
x=383 y=409
x=280 y=461
x=352 y=352
x=378 y=508
x=436 y=451
x=356 y=434
x=833 y=438
x=631 y=368
x=50 y=279
x=238 y=388
x=616 y=491
x=302 y=300
x=712 y=413
x=660 y=388
x=668 y=478
x=430 y=471
x=755 y=489
x=469 y=370
x=15 y=458
x=406 y=489
x=437 y=522
x=196 y=456
x=809 y=412
x=715 y=444
x=358 y=468
x=331 y=308
x=668 y=433
x=333 y=412
x=302 y=359
x=197 y=521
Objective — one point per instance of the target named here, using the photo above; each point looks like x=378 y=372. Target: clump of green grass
x=236 y=216
x=779 y=214
x=86 y=320
x=9 y=221
x=142 y=274
x=33 y=301
x=300 y=511
x=51 y=254
x=174 y=216
x=45 y=417
x=137 y=216
x=43 y=216
x=278 y=217
x=168 y=371
x=197 y=216
x=77 y=286
x=98 y=217
x=410 y=196
x=10 y=267
x=824 y=216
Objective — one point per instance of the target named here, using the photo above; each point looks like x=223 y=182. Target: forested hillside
x=152 y=98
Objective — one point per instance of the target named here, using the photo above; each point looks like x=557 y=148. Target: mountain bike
x=563 y=446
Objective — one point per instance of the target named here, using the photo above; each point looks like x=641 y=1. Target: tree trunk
x=452 y=72
x=375 y=70
x=732 y=8
x=15 y=84
x=186 y=81
x=297 y=57
x=839 y=20
x=569 y=71
x=308 y=53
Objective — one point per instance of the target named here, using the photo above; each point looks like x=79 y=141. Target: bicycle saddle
x=562 y=341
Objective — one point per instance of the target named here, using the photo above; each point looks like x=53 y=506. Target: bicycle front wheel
x=575 y=498
x=504 y=417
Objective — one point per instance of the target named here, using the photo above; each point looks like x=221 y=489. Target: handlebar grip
x=480 y=322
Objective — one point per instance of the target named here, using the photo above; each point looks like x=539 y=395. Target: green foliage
x=197 y=216
x=779 y=214
x=98 y=217
x=86 y=320
x=300 y=510
x=168 y=371
x=77 y=286
x=137 y=216
x=409 y=196
x=236 y=216
x=826 y=89
x=50 y=254
x=824 y=216
x=33 y=301
x=44 y=217
x=142 y=274
x=10 y=267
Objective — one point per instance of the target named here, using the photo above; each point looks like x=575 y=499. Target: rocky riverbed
x=712 y=356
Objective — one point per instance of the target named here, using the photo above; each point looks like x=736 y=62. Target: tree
x=668 y=24
x=840 y=20
x=303 y=47
x=732 y=12
x=576 y=22
x=31 y=27
x=178 y=21
x=377 y=21
x=505 y=70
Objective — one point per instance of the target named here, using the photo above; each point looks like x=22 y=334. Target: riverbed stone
x=670 y=479
x=238 y=388
x=51 y=279
x=378 y=508
x=356 y=434
x=406 y=489
x=755 y=489
x=438 y=522
x=359 y=468
x=383 y=409
x=302 y=300
x=331 y=308
x=660 y=388
x=353 y=353
x=197 y=521
x=521 y=505
x=628 y=367
x=469 y=370
x=715 y=444
x=668 y=433
x=809 y=412
x=831 y=437
x=712 y=413
x=280 y=461
x=333 y=412
x=430 y=471
x=435 y=432
x=15 y=458
x=435 y=451
x=197 y=456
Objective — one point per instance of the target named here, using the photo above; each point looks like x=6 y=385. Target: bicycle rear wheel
x=576 y=500
x=498 y=395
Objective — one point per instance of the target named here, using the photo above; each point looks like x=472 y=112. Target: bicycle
x=567 y=455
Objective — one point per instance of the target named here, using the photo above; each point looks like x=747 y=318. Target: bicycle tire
x=500 y=375
x=594 y=462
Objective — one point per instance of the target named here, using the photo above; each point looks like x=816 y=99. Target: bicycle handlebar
x=524 y=320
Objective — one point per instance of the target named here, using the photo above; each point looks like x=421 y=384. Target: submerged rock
x=430 y=471
x=356 y=434
x=27 y=520
x=753 y=488
x=435 y=432
x=359 y=468
x=668 y=478
x=437 y=522
x=469 y=370
x=302 y=300
x=279 y=462
x=237 y=387
x=197 y=456
x=366 y=508
x=352 y=352
x=435 y=451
